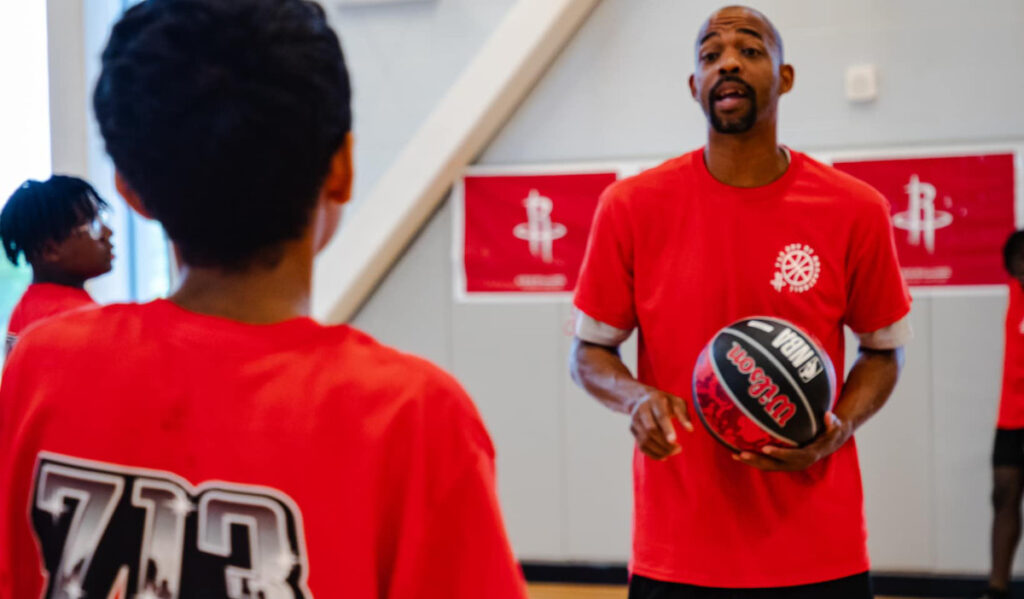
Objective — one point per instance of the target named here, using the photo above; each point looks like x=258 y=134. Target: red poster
x=951 y=215
x=527 y=233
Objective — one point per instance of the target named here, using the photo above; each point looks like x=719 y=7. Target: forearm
x=868 y=386
x=601 y=372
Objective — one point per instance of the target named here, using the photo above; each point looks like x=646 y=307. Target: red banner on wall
x=951 y=215
x=527 y=233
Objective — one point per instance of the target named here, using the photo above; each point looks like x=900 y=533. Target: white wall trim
x=77 y=32
x=470 y=114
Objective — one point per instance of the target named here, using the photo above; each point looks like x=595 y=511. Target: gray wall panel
x=509 y=359
x=412 y=308
x=967 y=348
x=895 y=452
x=599 y=467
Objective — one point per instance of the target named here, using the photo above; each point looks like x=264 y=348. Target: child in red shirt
x=57 y=225
x=1008 y=453
x=221 y=443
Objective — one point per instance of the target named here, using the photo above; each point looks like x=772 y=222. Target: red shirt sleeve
x=464 y=552
x=877 y=293
x=604 y=290
x=455 y=546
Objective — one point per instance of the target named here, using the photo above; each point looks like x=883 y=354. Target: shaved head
x=739 y=72
x=745 y=20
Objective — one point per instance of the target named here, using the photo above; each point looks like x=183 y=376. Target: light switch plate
x=861 y=83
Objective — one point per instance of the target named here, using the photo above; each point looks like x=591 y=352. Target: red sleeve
x=465 y=553
x=877 y=295
x=604 y=290
x=456 y=546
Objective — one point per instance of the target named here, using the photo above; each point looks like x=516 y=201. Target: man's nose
x=730 y=64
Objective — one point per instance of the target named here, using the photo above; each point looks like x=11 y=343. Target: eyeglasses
x=95 y=227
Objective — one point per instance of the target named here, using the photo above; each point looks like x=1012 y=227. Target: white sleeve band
x=594 y=331
x=9 y=344
x=895 y=335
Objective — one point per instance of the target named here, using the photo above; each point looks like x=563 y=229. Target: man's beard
x=745 y=122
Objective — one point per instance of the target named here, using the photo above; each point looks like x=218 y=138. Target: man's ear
x=338 y=184
x=787 y=76
x=693 y=88
x=129 y=195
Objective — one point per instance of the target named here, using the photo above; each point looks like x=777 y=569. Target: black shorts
x=857 y=586
x=1009 y=447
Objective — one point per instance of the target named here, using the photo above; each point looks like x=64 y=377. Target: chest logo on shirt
x=110 y=531
x=797 y=267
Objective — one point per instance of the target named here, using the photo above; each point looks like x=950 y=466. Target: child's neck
x=257 y=295
x=57 y=278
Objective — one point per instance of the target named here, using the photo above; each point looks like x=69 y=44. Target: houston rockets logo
x=797 y=267
x=538 y=229
x=921 y=219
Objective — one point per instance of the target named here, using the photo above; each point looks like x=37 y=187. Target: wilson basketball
x=763 y=381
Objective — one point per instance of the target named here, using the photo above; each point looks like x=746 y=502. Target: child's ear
x=338 y=184
x=50 y=252
x=129 y=195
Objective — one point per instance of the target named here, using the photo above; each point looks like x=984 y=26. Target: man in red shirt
x=221 y=443
x=1008 y=454
x=57 y=225
x=741 y=227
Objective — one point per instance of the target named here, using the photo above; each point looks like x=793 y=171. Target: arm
x=867 y=388
x=877 y=310
x=599 y=370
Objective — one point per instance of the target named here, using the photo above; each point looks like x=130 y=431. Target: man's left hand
x=774 y=458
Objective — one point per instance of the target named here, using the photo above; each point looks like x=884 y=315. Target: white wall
x=402 y=59
x=949 y=72
x=77 y=31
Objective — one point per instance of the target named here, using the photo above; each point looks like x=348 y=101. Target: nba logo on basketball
x=810 y=370
x=799 y=353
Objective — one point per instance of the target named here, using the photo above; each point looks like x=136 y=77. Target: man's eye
x=751 y=52
x=709 y=57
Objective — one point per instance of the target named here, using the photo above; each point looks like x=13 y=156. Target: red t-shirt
x=147 y=445
x=43 y=300
x=680 y=255
x=1011 y=405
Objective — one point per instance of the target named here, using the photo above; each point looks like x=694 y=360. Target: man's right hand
x=599 y=370
x=652 y=423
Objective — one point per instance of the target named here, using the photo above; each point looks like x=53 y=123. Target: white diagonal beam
x=473 y=110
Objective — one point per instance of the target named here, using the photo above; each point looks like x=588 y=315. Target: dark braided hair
x=223 y=115
x=42 y=211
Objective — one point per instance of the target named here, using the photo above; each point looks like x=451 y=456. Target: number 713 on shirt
x=109 y=531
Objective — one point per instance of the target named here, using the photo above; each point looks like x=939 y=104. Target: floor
x=566 y=591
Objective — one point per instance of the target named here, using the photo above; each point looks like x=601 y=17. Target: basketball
x=763 y=381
